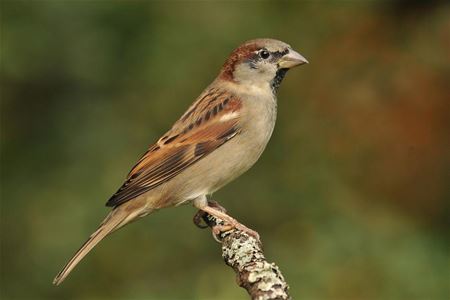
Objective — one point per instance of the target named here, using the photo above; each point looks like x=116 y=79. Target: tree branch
x=243 y=252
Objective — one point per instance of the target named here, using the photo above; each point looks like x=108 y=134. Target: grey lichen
x=242 y=252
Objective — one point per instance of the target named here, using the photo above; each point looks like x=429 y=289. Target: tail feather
x=112 y=222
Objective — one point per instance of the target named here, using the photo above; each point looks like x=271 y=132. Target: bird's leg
x=214 y=209
x=216 y=205
x=203 y=216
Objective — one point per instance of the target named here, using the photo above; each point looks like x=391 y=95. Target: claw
x=248 y=231
x=217 y=230
x=198 y=217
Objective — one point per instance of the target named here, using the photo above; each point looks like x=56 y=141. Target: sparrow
x=221 y=135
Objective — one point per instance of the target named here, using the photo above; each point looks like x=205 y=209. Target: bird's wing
x=209 y=123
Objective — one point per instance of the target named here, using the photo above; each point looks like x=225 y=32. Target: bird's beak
x=292 y=59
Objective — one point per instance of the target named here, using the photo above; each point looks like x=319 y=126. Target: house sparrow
x=219 y=137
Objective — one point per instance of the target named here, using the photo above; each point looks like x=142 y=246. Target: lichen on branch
x=243 y=252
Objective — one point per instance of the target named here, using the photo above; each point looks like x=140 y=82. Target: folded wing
x=208 y=124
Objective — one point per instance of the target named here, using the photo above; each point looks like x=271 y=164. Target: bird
x=220 y=136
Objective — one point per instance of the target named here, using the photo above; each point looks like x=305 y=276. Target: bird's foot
x=219 y=229
x=201 y=215
x=228 y=223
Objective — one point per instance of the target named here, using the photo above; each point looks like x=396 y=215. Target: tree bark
x=243 y=252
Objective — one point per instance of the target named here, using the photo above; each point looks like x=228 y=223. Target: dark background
x=350 y=197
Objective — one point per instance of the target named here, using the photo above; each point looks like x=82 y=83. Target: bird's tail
x=116 y=219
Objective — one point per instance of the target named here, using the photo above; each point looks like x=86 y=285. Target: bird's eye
x=264 y=54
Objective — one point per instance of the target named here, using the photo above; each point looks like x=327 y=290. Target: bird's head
x=261 y=62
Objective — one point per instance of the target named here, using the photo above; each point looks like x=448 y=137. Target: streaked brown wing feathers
x=193 y=137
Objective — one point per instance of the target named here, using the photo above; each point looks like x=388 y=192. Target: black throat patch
x=275 y=84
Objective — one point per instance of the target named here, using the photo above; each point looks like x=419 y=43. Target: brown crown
x=236 y=57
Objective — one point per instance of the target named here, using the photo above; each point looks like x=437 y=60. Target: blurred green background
x=350 y=197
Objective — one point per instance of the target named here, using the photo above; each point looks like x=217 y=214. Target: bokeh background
x=350 y=197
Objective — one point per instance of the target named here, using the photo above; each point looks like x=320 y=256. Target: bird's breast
x=243 y=151
x=258 y=120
